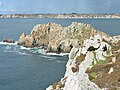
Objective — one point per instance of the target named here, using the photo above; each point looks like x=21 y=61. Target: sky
x=60 y=6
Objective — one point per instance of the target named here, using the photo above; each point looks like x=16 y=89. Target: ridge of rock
x=55 y=38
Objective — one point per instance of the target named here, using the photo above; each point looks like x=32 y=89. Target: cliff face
x=55 y=38
x=93 y=66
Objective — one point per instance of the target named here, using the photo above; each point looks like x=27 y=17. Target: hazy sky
x=60 y=6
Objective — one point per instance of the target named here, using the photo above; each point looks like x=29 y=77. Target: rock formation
x=55 y=38
x=93 y=66
x=8 y=40
x=94 y=58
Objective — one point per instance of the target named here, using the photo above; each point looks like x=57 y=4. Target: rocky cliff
x=93 y=66
x=55 y=38
x=94 y=58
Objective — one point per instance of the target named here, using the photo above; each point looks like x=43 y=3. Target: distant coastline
x=60 y=16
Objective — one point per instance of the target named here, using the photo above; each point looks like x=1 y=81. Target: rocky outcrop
x=8 y=40
x=55 y=38
x=93 y=66
x=27 y=40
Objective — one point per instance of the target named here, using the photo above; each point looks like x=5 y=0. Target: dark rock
x=105 y=48
x=91 y=48
x=74 y=69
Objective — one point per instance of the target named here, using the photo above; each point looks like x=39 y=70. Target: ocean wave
x=5 y=43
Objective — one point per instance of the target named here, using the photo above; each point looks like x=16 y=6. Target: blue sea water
x=31 y=69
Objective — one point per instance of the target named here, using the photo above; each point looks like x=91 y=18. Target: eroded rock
x=57 y=38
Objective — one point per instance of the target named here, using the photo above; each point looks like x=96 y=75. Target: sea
x=31 y=68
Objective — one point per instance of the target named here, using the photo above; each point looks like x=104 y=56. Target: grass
x=94 y=53
x=97 y=62
x=101 y=62
x=93 y=75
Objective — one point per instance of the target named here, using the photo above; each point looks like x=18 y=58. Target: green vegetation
x=100 y=68
x=93 y=75
x=101 y=62
x=97 y=62
x=94 y=53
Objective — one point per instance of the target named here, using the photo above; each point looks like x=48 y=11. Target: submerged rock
x=96 y=69
x=55 y=38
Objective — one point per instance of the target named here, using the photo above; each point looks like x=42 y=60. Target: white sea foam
x=32 y=50
x=42 y=51
x=5 y=43
x=55 y=54
x=24 y=48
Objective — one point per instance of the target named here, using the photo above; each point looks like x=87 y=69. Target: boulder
x=8 y=40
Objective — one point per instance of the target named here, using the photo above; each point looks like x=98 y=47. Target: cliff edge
x=93 y=66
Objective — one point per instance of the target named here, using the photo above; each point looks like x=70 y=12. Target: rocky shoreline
x=60 y=16
x=94 y=56
x=57 y=39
